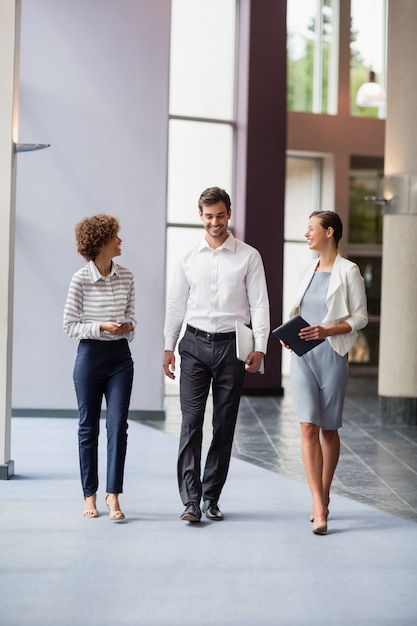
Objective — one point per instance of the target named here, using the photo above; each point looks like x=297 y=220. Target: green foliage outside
x=365 y=218
x=300 y=73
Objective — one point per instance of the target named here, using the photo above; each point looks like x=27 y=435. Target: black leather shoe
x=211 y=510
x=192 y=512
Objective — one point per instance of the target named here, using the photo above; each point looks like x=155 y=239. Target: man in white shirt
x=217 y=282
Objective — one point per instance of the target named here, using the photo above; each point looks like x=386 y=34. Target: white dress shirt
x=212 y=288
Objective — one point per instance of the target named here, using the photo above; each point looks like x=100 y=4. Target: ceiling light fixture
x=371 y=94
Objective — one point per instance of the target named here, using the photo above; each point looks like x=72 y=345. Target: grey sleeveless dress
x=319 y=377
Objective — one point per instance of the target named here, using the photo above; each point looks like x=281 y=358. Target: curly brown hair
x=92 y=233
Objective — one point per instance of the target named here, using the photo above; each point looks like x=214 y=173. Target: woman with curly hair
x=100 y=313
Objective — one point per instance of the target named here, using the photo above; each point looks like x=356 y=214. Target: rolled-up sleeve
x=357 y=302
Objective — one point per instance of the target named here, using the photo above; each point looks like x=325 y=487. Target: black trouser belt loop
x=211 y=336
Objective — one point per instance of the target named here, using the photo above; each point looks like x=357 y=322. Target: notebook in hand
x=245 y=343
x=288 y=333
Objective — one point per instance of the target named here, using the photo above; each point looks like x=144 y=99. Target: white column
x=398 y=339
x=9 y=63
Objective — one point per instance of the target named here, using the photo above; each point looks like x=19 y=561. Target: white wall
x=94 y=84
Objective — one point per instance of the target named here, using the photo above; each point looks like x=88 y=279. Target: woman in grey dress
x=332 y=299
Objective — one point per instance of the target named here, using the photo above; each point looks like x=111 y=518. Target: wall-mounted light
x=377 y=200
x=399 y=195
x=30 y=147
x=371 y=94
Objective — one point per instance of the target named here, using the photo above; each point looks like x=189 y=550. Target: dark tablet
x=288 y=333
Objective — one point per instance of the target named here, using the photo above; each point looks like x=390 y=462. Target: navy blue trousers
x=206 y=363
x=103 y=369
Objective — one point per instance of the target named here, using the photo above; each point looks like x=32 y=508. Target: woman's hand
x=313 y=332
x=284 y=345
x=321 y=332
x=116 y=328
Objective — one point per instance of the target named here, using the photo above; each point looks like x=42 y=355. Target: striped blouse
x=93 y=298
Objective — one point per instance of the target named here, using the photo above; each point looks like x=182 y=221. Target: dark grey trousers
x=206 y=362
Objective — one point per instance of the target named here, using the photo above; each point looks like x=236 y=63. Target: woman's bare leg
x=313 y=464
x=330 y=445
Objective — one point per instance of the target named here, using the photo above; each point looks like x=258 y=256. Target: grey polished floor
x=378 y=463
x=262 y=567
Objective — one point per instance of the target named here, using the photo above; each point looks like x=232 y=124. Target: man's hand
x=253 y=362
x=169 y=364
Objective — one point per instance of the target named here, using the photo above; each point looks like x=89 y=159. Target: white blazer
x=345 y=300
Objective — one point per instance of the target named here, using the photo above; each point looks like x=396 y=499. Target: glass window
x=365 y=249
x=312 y=55
x=302 y=195
x=365 y=351
x=203 y=58
x=365 y=217
x=367 y=50
x=200 y=155
x=179 y=239
x=202 y=118
x=370 y=267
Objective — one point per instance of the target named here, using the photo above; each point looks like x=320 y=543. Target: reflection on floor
x=378 y=463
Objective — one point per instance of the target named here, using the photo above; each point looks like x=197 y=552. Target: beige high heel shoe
x=114 y=515
x=326 y=510
x=320 y=529
x=91 y=513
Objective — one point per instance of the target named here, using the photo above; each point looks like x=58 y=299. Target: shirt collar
x=95 y=274
x=228 y=244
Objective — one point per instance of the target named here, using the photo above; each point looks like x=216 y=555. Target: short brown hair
x=330 y=219
x=92 y=233
x=213 y=195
